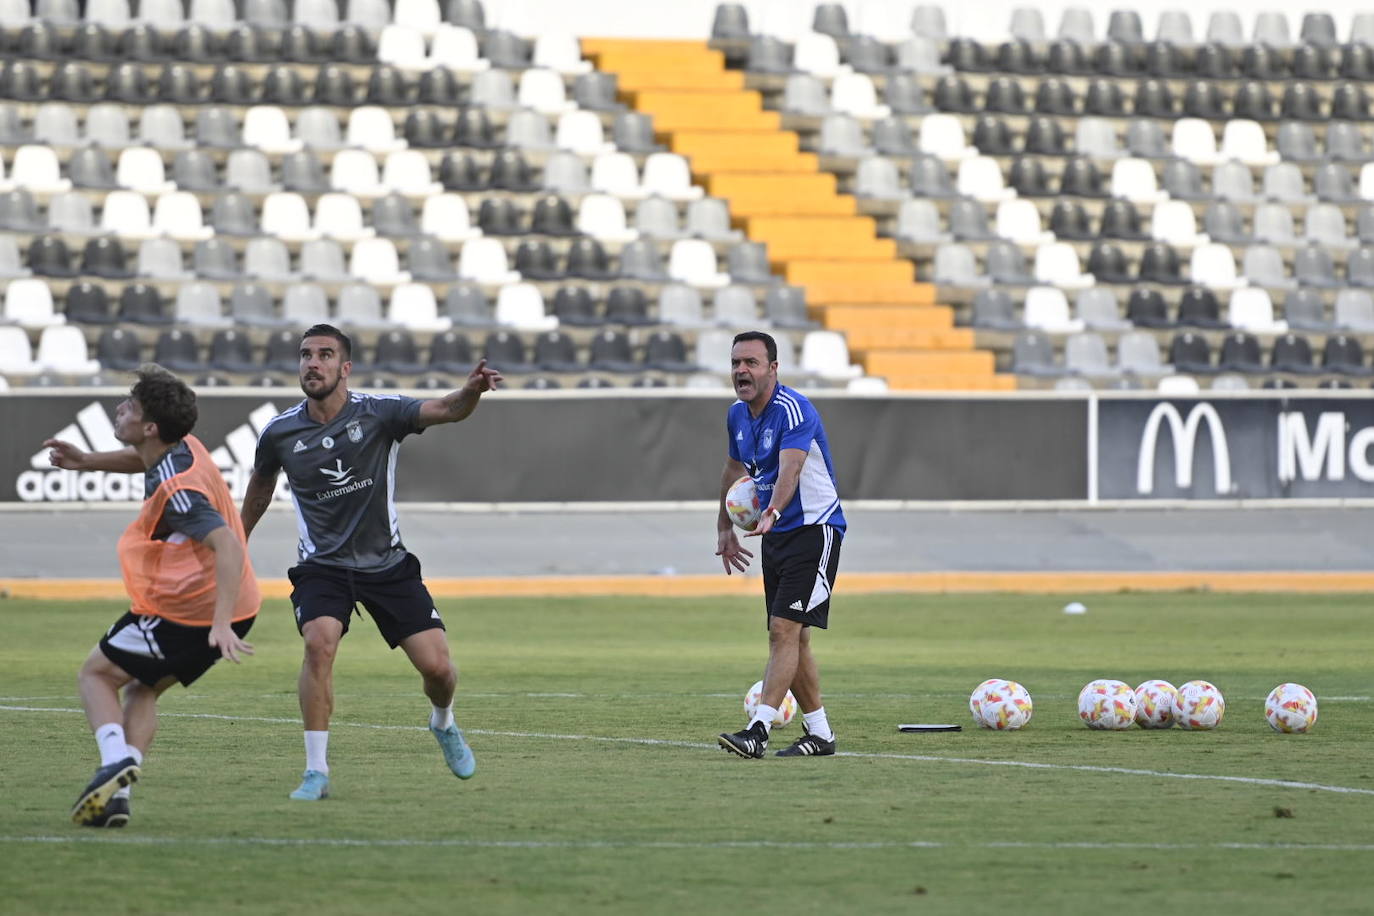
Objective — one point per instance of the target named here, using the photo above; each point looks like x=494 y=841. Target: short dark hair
x=166 y=401
x=769 y=343
x=328 y=330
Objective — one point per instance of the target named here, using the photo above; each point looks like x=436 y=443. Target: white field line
x=660 y=742
x=562 y=695
x=365 y=843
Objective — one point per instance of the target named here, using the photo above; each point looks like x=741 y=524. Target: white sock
x=317 y=751
x=442 y=717
x=110 y=738
x=818 y=725
x=764 y=714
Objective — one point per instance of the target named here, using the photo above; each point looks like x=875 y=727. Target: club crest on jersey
x=355 y=431
x=766 y=440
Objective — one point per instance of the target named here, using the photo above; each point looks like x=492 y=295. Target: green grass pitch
x=600 y=789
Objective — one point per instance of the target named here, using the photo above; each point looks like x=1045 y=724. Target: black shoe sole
x=725 y=742
x=91 y=805
x=786 y=752
x=112 y=821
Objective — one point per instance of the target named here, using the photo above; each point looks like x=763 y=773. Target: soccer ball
x=1106 y=704
x=1154 y=704
x=1290 y=708
x=1000 y=704
x=742 y=503
x=786 y=712
x=1199 y=706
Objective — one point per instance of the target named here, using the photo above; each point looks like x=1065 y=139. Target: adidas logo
x=93 y=431
x=796 y=606
x=434 y=613
x=300 y=447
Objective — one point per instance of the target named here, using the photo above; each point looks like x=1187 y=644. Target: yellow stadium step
x=727 y=184
x=671 y=119
x=857 y=290
x=840 y=230
x=855 y=281
x=744 y=159
x=773 y=152
x=635 y=80
x=771 y=204
x=848 y=238
x=770 y=143
x=929 y=362
x=871 y=340
x=951 y=382
x=686 y=52
x=723 y=104
x=861 y=318
x=822 y=247
x=893 y=273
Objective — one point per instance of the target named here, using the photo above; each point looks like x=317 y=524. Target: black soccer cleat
x=108 y=780
x=116 y=814
x=751 y=742
x=808 y=745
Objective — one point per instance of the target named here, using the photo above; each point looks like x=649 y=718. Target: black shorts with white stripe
x=799 y=568
x=151 y=648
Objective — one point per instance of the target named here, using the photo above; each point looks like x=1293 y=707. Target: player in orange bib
x=192 y=593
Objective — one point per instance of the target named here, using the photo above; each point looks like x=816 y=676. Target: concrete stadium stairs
x=855 y=281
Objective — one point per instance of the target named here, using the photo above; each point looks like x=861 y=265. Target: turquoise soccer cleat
x=314 y=786
x=457 y=754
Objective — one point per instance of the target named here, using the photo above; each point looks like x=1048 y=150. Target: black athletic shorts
x=799 y=568
x=397 y=598
x=150 y=648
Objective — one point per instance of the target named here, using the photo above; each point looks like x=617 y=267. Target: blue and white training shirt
x=788 y=421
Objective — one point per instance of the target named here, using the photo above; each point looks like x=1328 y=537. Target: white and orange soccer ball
x=786 y=712
x=1001 y=705
x=1290 y=708
x=1107 y=705
x=1199 y=706
x=742 y=503
x=1154 y=704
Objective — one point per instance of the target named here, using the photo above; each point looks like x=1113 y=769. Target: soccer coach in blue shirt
x=776 y=437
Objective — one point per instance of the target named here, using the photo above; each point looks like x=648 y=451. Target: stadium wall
x=585 y=447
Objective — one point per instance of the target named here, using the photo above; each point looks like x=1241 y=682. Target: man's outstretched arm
x=458 y=405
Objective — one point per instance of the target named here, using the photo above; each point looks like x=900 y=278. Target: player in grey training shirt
x=338 y=449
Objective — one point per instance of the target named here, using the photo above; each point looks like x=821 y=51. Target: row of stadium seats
x=29 y=303
x=1138 y=353
x=295 y=85
x=1079 y=24
x=63 y=351
x=1211 y=265
x=1175 y=222
x=378 y=261
x=1047 y=308
x=1243 y=142
x=178 y=216
x=1135 y=179
x=40 y=172
x=822 y=56
x=355 y=171
x=273 y=131
x=423 y=15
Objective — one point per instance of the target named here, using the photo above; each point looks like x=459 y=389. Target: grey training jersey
x=188 y=513
x=343 y=478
